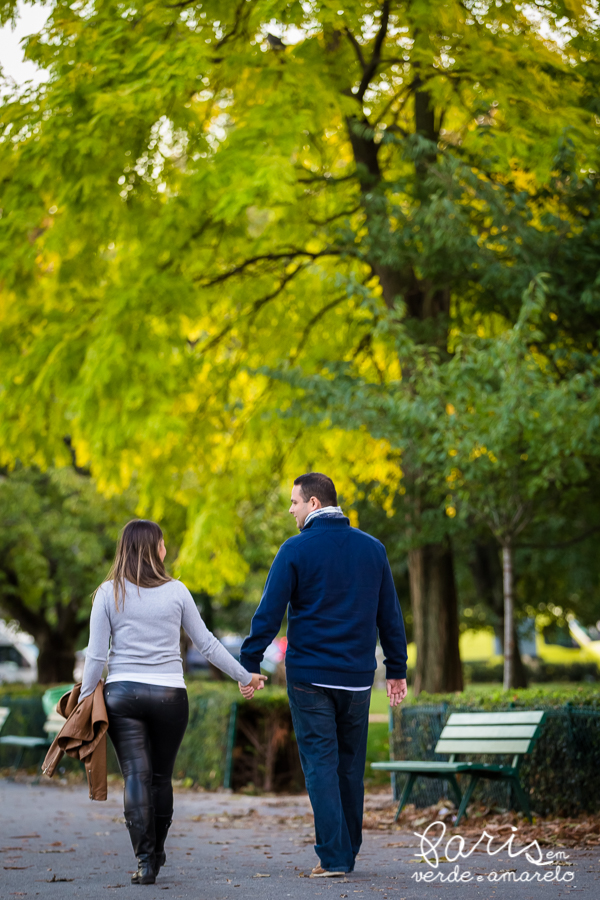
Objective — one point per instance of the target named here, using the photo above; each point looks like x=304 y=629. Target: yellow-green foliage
x=182 y=212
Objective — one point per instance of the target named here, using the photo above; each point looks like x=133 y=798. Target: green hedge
x=562 y=773
x=202 y=757
x=265 y=755
x=540 y=673
x=517 y=698
x=537 y=673
x=264 y=752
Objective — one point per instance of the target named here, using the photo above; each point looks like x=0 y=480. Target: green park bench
x=474 y=734
x=52 y=726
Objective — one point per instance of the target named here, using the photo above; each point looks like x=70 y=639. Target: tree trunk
x=184 y=645
x=435 y=617
x=509 y=617
x=520 y=678
x=204 y=601
x=433 y=591
x=487 y=574
x=56 y=659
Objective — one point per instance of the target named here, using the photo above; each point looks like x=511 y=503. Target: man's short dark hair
x=314 y=484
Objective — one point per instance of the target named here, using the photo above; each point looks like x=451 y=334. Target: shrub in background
x=266 y=754
x=539 y=673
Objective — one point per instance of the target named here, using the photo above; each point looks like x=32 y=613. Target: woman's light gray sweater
x=144 y=634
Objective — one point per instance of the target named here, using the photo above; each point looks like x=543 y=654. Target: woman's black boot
x=161 y=825
x=140 y=823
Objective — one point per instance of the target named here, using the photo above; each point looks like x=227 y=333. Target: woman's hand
x=257 y=684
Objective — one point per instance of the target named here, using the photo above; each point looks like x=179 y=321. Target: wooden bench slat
x=54 y=723
x=442 y=768
x=23 y=740
x=518 y=717
x=482 y=746
x=466 y=732
x=402 y=765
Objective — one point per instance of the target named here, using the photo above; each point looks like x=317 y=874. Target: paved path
x=55 y=843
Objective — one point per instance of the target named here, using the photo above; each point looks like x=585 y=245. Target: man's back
x=338 y=584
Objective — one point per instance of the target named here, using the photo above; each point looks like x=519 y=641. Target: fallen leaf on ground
x=553 y=831
x=70 y=850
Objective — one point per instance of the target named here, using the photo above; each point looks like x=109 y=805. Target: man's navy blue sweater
x=336 y=584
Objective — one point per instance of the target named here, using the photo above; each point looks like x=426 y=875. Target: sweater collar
x=326 y=512
x=327 y=522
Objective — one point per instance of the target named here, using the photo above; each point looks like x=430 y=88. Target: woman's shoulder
x=172 y=587
x=179 y=587
x=103 y=592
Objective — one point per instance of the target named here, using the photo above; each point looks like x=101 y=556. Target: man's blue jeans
x=331 y=730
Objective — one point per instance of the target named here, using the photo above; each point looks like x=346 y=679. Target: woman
x=141 y=610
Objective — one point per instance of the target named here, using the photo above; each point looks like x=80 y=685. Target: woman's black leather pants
x=146 y=724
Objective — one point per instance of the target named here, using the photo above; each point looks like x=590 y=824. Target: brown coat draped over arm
x=83 y=736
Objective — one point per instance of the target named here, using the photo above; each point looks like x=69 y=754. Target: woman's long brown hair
x=137 y=559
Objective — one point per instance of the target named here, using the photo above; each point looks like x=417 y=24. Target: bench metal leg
x=36 y=780
x=521 y=797
x=406 y=792
x=462 y=809
x=16 y=763
x=456 y=791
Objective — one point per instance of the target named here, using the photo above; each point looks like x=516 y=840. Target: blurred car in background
x=542 y=638
x=274 y=654
x=586 y=638
x=79 y=664
x=18 y=656
x=196 y=661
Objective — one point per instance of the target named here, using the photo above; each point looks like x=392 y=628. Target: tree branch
x=371 y=68
x=312 y=322
x=560 y=544
x=328 y=179
x=239 y=16
x=345 y=212
x=267 y=257
x=256 y=306
x=406 y=88
x=357 y=48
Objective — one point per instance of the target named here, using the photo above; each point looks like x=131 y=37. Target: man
x=336 y=584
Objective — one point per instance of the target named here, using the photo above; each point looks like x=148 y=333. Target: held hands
x=257 y=684
x=396 y=690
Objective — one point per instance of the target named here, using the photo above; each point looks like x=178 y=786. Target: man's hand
x=396 y=690
x=257 y=684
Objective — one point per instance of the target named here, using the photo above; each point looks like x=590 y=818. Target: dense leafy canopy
x=57 y=539
x=204 y=196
